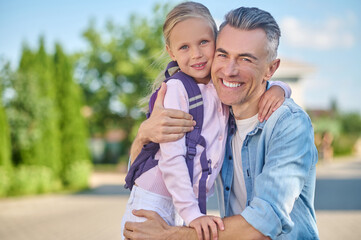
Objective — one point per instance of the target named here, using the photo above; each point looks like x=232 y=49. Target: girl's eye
x=184 y=47
x=204 y=42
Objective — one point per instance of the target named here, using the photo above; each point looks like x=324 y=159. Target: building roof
x=293 y=69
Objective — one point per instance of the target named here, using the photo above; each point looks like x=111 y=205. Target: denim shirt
x=278 y=160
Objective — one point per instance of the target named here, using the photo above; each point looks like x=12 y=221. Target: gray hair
x=253 y=18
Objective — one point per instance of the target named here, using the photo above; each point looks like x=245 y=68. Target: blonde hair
x=179 y=13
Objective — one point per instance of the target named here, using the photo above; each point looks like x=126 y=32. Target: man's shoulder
x=288 y=113
x=291 y=106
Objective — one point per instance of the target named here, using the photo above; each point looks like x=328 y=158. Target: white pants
x=143 y=199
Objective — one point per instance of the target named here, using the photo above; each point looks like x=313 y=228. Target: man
x=268 y=174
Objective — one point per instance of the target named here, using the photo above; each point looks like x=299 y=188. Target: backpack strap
x=194 y=137
x=146 y=158
x=144 y=161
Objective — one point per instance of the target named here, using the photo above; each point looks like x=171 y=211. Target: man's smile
x=231 y=84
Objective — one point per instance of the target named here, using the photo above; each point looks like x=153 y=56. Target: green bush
x=76 y=175
x=33 y=179
x=343 y=144
x=5 y=181
x=5 y=144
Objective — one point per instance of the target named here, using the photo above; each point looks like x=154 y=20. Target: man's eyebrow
x=239 y=55
x=221 y=50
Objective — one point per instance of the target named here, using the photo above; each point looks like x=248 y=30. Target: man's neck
x=248 y=108
x=245 y=110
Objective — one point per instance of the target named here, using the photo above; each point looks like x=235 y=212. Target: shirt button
x=219 y=109
x=216 y=165
x=220 y=138
x=227 y=188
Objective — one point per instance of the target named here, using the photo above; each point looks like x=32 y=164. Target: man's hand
x=270 y=101
x=154 y=228
x=164 y=125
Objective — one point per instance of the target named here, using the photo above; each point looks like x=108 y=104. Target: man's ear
x=170 y=53
x=272 y=69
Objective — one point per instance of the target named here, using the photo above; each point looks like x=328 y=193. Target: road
x=96 y=214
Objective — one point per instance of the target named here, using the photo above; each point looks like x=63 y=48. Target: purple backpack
x=146 y=159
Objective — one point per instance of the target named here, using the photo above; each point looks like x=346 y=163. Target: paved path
x=96 y=214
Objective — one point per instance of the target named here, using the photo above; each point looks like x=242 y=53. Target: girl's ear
x=170 y=53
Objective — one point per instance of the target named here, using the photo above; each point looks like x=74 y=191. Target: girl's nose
x=196 y=53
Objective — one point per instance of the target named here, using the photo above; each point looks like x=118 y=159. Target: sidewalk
x=96 y=214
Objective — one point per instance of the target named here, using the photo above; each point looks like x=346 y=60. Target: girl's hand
x=270 y=101
x=204 y=223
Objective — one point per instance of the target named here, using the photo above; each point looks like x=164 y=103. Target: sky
x=324 y=33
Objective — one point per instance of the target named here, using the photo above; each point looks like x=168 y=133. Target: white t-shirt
x=238 y=195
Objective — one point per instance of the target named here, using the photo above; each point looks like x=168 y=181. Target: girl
x=189 y=32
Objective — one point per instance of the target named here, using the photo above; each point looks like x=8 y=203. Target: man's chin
x=227 y=100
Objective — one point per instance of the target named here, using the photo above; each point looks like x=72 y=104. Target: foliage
x=117 y=70
x=351 y=124
x=332 y=125
x=48 y=132
x=72 y=125
x=32 y=112
x=345 y=130
x=76 y=175
x=31 y=179
x=5 y=146
x=343 y=144
x=351 y=131
x=5 y=181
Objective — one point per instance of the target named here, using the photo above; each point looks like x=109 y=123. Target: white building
x=294 y=73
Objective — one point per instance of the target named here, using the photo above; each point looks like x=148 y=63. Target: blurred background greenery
x=64 y=114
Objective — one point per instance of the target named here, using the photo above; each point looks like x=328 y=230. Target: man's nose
x=231 y=68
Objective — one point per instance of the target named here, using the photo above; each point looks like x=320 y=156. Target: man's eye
x=184 y=47
x=221 y=55
x=246 y=60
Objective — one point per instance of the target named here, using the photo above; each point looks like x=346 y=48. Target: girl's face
x=192 y=45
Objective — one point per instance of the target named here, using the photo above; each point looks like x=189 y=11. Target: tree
x=32 y=113
x=5 y=152
x=351 y=124
x=73 y=131
x=50 y=139
x=24 y=112
x=5 y=145
x=118 y=69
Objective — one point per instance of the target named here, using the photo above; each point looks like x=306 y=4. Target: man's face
x=240 y=66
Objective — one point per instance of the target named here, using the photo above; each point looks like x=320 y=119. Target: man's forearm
x=235 y=227
x=180 y=233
